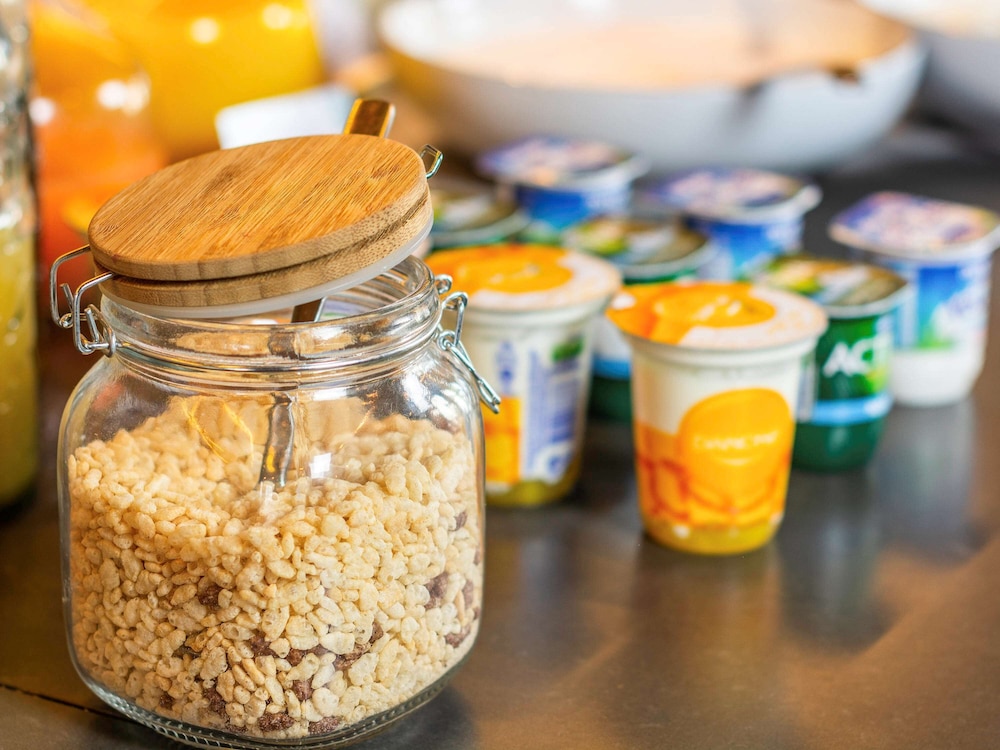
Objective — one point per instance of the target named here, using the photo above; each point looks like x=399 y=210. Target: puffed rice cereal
x=206 y=597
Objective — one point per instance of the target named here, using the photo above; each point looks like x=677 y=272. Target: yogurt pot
x=751 y=215
x=645 y=250
x=560 y=181
x=529 y=326
x=469 y=213
x=716 y=373
x=944 y=251
x=841 y=413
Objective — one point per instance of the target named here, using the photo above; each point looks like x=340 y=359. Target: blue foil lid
x=912 y=226
x=738 y=195
x=558 y=162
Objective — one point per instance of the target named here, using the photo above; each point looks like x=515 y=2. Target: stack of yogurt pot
x=734 y=355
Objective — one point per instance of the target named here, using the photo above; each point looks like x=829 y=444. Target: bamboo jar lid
x=270 y=225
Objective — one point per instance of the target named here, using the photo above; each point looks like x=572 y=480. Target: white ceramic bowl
x=963 y=41
x=452 y=56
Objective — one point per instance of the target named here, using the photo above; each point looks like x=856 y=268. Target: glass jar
x=273 y=532
x=18 y=302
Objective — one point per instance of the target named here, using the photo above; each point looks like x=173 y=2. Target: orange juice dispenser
x=18 y=374
x=93 y=131
x=203 y=55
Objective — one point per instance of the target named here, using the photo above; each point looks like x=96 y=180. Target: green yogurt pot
x=843 y=406
x=646 y=250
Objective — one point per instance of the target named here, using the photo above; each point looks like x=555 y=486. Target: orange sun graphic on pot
x=726 y=467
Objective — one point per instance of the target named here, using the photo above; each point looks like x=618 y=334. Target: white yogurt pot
x=944 y=251
x=529 y=328
x=716 y=377
x=559 y=181
x=751 y=215
x=540 y=364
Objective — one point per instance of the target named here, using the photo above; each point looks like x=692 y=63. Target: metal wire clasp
x=431 y=158
x=451 y=342
x=101 y=338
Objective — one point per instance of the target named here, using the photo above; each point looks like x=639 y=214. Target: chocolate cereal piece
x=456 y=639
x=216 y=703
x=274 y=722
x=209 y=596
x=469 y=594
x=302 y=689
x=324 y=725
x=436 y=588
x=260 y=647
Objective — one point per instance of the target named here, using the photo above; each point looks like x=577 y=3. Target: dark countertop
x=870 y=622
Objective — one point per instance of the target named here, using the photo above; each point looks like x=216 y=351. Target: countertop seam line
x=69 y=704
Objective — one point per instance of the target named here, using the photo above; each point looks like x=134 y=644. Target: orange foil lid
x=522 y=277
x=716 y=315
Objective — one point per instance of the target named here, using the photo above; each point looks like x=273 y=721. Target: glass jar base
x=203 y=737
x=712 y=541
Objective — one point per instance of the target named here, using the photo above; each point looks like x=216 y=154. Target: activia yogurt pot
x=751 y=215
x=646 y=250
x=560 y=181
x=716 y=372
x=529 y=328
x=841 y=416
x=944 y=251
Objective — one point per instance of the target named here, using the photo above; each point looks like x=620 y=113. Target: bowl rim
x=909 y=41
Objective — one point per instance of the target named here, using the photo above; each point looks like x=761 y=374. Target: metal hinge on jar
x=431 y=158
x=451 y=342
x=100 y=337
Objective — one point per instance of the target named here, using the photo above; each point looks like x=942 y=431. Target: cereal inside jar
x=273 y=530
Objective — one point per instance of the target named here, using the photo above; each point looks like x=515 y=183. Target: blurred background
x=99 y=93
x=118 y=90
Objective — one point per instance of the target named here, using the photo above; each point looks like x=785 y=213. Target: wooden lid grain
x=261 y=221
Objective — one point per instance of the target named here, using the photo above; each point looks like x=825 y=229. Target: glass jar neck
x=371 y=326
